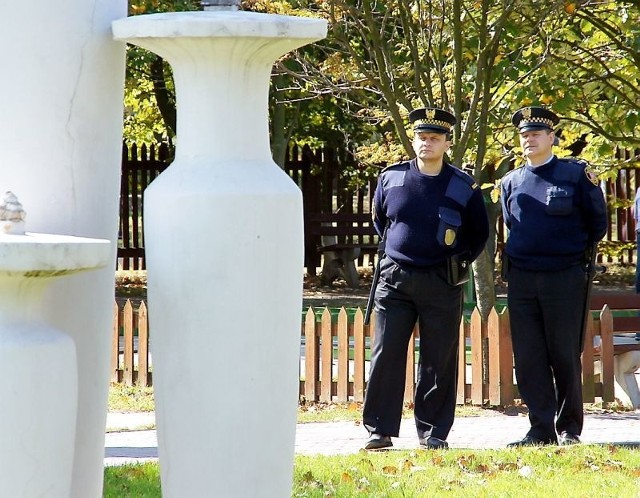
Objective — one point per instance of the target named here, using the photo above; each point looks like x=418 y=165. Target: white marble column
x=60 y=137
x=224 y=247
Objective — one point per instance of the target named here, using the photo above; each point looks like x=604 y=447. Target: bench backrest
x=343 y=224
x=625 y=308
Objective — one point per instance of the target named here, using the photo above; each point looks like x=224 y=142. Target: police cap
x=534 y=118
x=432 y=119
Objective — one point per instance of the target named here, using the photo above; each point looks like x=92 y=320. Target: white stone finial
x=12 y=215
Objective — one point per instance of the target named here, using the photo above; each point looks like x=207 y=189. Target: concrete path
x=128 y=445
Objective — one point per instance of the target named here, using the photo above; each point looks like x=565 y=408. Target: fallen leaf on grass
x=390 y=469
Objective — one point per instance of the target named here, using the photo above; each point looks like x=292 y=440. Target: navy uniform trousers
x=546 y=314
x=403 y=297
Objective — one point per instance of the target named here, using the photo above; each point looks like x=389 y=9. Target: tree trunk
x=483 y=273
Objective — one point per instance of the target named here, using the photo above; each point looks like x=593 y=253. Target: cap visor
x=532 y=127
x=430 y=129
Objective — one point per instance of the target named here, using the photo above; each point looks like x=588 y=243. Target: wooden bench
x=625 y=308
x=341 y=238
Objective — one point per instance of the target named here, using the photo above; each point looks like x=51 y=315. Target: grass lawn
x=579 y=471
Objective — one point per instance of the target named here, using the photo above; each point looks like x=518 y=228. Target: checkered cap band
x=534 y=120
x=431 y=122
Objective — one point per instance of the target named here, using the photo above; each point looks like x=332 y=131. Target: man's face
x=537 y=144
x=430 y=146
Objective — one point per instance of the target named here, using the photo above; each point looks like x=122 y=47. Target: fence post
x=115 y=343
x=462 y=362
x=127 y=375
x=359 y=355
x=606 y=353
x=343 y=357
x=326 y=356
x=588 y=377
x=476 y=358
x=143 y=346
x=310 y=356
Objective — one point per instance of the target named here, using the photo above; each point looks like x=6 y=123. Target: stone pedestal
x=224 y=248
x=38 y=372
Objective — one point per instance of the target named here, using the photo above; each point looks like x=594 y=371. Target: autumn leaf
x=407 y=464
x=390 y=470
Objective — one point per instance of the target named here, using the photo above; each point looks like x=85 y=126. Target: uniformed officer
x=555 y=213
x=431 y=212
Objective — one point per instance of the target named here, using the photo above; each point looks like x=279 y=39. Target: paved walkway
x=488 y=431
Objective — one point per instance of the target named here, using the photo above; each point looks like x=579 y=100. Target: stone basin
x=50 y=255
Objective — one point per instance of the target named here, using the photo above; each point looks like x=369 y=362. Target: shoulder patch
x=591 y=176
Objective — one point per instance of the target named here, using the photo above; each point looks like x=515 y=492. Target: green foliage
x=139 y=481
x=614 y=249
x=381 y=59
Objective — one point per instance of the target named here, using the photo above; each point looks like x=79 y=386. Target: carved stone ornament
x=12 y=215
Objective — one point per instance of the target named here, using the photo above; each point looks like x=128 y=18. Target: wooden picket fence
x=337 y=347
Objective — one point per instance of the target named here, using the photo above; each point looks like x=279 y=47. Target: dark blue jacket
x=554 y=212
x=429 y=217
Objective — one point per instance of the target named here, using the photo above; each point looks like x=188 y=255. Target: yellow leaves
x=469 y=55
x=547 y=99
x=570 y=8
x=389 y=470
x=466 y=461
x=137 y=9
x=346 y=477
x=495 y=191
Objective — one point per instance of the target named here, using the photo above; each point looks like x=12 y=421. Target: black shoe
x=433 y=443
x=378 y=442
x=567 y=439
x=530 y=441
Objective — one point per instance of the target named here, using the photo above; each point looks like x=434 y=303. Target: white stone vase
x=224 y=249
x=38 y=372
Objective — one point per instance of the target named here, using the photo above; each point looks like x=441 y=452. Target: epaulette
x=400 y=165
x=574 y=160
x=461 y=186
x=466 y=177
x=583 y=168
x=572 y=169
x=510 y=177
x=512 y=171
